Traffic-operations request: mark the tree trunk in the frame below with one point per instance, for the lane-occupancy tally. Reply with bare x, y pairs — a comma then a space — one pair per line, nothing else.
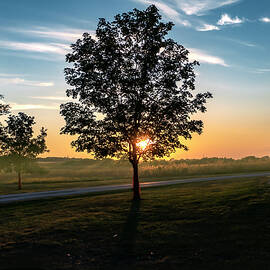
19, 180
136, 183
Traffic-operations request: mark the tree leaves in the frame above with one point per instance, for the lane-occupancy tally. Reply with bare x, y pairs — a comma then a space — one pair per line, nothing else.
138, 81
4, 108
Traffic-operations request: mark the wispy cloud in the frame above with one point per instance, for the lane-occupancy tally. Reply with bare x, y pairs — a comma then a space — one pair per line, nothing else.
9, 79
203, 57
241, 42
226, 20
33, 55
247, 44
207, 27
10, 75
168, 11
62, 34
51, 48
200, 7
22, 107
180, 11
261, 70
56, 42
264, 69
265, 19
55, 98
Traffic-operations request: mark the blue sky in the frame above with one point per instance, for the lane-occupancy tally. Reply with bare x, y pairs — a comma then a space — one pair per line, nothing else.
230, 38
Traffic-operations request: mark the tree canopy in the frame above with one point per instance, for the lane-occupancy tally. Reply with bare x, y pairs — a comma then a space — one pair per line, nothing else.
131, 84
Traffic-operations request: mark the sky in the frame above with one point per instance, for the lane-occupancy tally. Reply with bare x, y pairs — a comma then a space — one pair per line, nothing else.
230, 39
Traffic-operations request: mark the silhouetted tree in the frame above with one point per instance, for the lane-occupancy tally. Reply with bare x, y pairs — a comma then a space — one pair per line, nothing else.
131, 84
4, 108
18, 146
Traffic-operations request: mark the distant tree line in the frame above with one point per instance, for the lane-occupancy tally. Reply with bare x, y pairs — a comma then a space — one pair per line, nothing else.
65, 161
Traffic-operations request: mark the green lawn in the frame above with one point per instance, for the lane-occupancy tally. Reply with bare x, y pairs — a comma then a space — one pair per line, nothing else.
210, 225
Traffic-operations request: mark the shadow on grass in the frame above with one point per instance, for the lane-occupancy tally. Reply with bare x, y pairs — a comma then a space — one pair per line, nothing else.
126, 250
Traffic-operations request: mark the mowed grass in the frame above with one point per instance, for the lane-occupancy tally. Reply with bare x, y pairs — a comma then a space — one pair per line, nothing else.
64, 173
210, 225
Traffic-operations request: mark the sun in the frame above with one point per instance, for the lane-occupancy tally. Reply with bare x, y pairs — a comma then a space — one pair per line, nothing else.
143, 144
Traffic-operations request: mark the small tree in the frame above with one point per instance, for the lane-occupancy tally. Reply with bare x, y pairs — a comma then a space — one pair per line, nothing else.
18, 146
134, 91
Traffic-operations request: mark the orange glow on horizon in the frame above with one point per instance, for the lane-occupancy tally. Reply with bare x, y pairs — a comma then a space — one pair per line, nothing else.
225, 135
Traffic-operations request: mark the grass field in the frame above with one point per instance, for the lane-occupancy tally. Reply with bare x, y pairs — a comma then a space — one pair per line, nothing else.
210, 225
61, 173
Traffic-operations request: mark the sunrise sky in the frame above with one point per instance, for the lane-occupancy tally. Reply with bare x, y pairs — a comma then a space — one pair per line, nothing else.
230, 38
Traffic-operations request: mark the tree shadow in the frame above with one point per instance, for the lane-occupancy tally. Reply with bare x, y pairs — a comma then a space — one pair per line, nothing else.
126, 249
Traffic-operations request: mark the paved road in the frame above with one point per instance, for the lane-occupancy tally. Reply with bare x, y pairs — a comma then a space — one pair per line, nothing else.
77, 191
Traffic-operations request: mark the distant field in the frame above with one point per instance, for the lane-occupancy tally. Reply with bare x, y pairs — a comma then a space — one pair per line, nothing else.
212, 225
60, 173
